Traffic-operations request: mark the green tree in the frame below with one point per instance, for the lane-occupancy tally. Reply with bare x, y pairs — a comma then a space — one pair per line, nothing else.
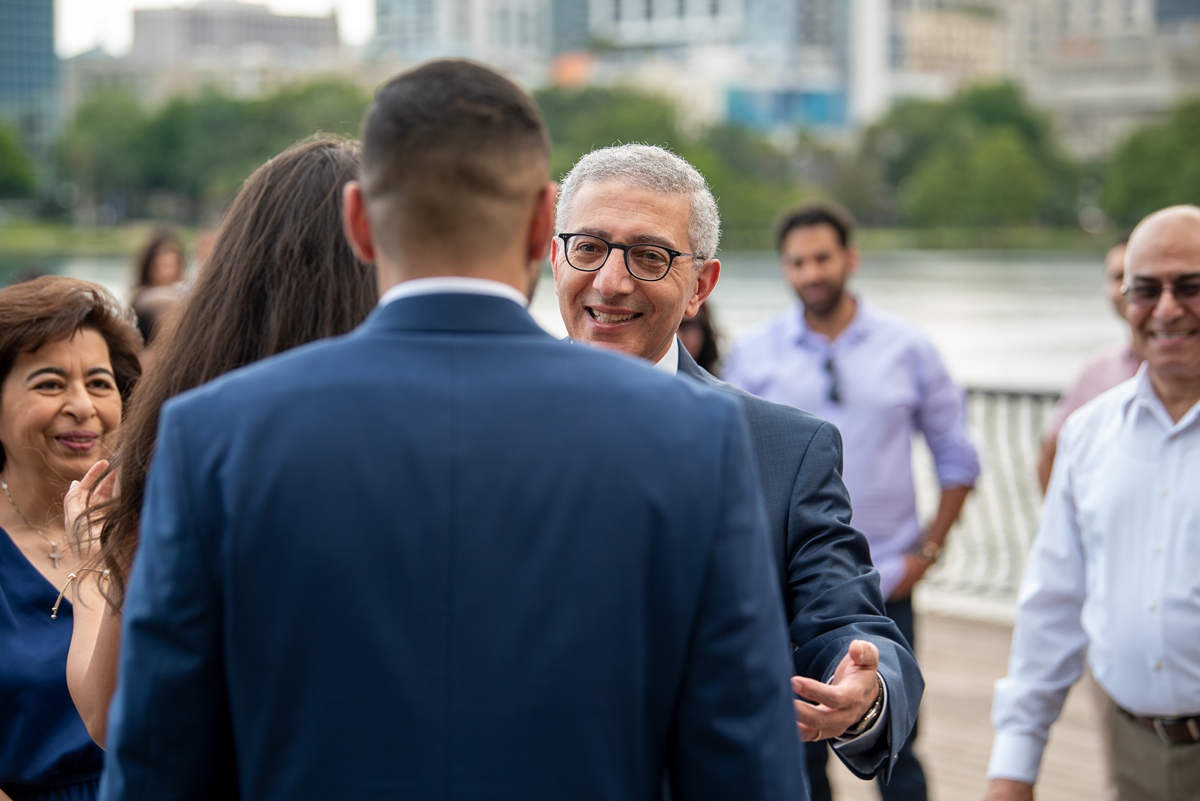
17, 176
988, 179
922, 148
103, 150
582, 120
1156, 166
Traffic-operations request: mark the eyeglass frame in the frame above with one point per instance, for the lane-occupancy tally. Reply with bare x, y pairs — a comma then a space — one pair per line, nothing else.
672, 252
1191, 280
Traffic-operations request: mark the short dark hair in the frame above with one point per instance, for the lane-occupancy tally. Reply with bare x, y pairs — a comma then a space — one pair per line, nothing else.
812, 214
448, 149
52, 309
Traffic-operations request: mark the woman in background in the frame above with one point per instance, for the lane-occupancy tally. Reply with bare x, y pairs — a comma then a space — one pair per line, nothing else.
701, 338
158, 271
280, 274
68, 362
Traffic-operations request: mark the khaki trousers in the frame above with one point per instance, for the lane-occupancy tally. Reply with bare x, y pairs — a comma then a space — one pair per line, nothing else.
1148, 769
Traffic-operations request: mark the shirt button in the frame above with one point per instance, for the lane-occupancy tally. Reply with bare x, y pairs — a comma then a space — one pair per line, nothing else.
1166, 492
1153, 607
1158, 549
1158, 665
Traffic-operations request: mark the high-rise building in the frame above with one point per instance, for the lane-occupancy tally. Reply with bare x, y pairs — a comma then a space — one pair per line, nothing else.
221, 28
513, 35
240, 49
29, 76
1102, 68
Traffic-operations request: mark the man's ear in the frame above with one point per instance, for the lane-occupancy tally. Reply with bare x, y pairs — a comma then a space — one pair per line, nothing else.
541, 226
355, 223
706, 282
852, 260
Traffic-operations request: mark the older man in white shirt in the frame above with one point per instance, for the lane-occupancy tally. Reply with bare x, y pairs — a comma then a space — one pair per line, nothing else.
1114, 574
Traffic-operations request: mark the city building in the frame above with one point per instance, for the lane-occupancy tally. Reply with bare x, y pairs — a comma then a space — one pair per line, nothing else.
512, 35
240, 49
939, 47
1102, 68
29, 77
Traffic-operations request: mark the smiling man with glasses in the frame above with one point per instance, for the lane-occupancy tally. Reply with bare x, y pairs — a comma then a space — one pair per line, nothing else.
635, 256
1111, 580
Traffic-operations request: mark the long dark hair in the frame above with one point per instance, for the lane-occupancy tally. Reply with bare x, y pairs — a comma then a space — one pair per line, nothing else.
280, 274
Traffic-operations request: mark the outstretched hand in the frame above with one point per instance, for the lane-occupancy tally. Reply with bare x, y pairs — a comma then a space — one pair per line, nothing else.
842, 702
84, 493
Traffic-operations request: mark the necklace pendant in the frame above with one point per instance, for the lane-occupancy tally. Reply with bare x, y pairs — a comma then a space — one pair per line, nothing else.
56, 555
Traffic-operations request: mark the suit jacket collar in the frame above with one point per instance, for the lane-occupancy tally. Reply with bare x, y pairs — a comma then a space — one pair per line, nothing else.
688, 366
452, 312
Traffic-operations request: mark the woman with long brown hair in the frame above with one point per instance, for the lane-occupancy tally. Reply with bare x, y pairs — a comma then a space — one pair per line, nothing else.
280, 274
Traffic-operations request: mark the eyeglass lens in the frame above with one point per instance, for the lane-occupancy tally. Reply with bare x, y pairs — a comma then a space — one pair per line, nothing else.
1147, 293
648, 262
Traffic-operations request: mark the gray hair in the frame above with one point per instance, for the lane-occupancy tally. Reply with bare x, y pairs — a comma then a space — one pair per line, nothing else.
658, 170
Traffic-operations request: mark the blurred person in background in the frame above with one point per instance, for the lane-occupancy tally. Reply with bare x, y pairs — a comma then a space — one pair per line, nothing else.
68, 362
158, 270
881, 382
1104, 370
1111, 580
280, 274
702, 338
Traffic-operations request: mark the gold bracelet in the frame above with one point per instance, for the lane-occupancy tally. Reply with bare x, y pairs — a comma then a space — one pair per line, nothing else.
71, 577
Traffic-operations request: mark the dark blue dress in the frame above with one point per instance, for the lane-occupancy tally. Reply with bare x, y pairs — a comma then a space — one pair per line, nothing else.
45, 751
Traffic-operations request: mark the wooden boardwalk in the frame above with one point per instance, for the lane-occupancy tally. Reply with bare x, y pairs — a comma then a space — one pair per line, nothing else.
961, 659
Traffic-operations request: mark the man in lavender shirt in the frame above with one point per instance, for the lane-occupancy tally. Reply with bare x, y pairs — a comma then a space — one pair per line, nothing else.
879, 380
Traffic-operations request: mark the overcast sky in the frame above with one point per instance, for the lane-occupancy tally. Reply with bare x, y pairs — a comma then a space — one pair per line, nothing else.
83, 24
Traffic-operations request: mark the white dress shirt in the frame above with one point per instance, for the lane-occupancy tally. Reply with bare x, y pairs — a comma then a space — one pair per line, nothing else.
1114, 574
455, 284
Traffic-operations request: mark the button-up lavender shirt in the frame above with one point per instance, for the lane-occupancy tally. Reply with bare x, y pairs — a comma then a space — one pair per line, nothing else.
890, 384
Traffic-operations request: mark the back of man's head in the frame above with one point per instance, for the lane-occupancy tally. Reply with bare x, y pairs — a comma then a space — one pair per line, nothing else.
453, 154
655, 169
812, 214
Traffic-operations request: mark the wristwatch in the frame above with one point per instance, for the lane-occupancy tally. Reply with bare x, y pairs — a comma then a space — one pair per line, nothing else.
928, 553
872, 714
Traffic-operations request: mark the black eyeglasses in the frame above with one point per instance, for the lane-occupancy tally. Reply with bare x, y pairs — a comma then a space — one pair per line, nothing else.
835, 386
1146, 294
644, 262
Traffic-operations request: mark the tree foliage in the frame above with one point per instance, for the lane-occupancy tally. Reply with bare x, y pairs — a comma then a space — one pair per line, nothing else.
1156, 166
749, 176
188, 157
982, 158
17, 175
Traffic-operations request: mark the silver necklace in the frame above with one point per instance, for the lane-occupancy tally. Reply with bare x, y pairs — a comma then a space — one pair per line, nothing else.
55, 553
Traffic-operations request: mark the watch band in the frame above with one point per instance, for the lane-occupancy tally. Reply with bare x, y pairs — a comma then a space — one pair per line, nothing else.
870, 717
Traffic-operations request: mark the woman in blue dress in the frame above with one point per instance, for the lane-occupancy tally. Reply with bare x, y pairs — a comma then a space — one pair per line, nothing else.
68, 360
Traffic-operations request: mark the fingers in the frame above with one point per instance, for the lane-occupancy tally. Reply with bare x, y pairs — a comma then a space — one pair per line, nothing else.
89, 478
864, 654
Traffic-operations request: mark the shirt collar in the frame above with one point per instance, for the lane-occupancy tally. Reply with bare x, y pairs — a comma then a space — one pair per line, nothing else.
1145, 397
669, 363
458, 284
858, 329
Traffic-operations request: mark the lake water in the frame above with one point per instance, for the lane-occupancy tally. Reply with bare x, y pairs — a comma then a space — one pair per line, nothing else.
1001, 320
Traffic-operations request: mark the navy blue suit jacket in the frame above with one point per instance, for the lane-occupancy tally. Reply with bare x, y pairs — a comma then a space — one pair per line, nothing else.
448, 557
830, 588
